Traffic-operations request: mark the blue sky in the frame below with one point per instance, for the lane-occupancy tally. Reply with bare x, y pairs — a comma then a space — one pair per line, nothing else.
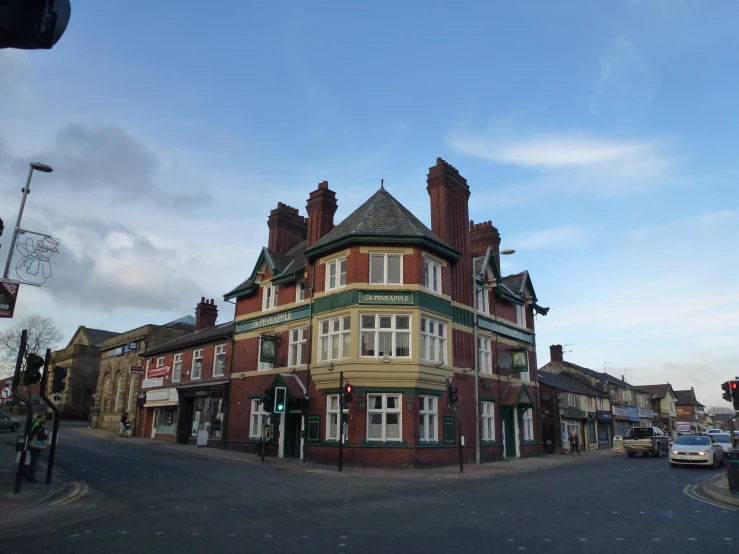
597, 136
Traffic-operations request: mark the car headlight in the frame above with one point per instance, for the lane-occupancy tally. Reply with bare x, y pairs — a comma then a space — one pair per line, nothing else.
674, 452
702, 452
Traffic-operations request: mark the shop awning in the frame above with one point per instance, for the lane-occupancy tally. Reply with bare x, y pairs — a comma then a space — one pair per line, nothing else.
160, 404
203, 384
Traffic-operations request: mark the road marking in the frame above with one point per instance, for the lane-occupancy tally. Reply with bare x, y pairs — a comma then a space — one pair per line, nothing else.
73, 536
619, 539
547, 540
688, 491
158, 533
728, 539
692, 539
268, 536
75, 490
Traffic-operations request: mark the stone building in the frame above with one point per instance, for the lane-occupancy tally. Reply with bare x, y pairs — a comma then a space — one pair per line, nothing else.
121, 367
397, 308
81, 359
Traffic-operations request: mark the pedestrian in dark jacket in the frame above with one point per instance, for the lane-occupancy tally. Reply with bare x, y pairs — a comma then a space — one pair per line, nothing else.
38, 436
574, 443
123, 429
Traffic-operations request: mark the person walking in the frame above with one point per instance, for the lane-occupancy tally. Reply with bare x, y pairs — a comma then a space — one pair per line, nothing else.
574, 443
124, 420
36, 444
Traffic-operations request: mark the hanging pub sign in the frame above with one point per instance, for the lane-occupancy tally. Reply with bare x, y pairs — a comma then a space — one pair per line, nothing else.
520, 361
135, 370
8, 294
268, 350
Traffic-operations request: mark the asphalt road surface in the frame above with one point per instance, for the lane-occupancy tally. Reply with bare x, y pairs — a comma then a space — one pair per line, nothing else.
141, 498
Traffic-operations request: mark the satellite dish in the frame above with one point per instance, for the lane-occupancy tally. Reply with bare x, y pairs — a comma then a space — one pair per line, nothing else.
505, 361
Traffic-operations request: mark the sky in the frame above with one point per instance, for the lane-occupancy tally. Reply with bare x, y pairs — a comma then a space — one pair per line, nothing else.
598, 137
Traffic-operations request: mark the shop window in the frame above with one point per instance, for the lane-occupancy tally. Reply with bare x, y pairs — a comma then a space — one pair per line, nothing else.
528, 425
177, 368
485, 353
336, 274
219, 361
197, 364
432, 276
433, 340
258, 415
166, 420
269, 297
449, 427
297, 354
384, 417
314, 428
386, 335
428, 430
386, 269
333, 338
208, 416
487, 412
332, 419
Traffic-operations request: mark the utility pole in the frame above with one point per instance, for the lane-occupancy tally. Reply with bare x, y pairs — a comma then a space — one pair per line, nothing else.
57, 411
341, 420
29, 411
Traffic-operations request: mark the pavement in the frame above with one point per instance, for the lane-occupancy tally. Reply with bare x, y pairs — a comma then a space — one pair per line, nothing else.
716, 490
137, 495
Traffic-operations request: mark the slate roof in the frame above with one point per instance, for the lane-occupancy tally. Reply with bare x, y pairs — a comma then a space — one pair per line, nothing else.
381, 216
224, 330
568, 384
99, 335
601, 375
281, 265
295, 385
687, 398
659, 391
515, 282
186, 322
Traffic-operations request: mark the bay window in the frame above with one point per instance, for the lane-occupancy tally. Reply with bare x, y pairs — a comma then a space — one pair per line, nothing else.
333, 338
336, 274
386, 269
432, 275
385, 335
433, 340
428, 430
384, 417
297, 354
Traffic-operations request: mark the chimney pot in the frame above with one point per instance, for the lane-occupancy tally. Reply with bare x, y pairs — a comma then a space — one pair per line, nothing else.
321, 208
206, 314
555, 353
286, 228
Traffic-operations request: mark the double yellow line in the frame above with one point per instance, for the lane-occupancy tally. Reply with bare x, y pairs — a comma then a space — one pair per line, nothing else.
80, 489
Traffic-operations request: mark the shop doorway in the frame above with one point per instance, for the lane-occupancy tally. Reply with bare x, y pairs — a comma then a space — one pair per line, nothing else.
293, 425
509, 432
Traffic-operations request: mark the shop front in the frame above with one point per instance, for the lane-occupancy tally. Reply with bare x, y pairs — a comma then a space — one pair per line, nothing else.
604, 429
646, 417
620, 421
592, 435
634, 419
202, 408
571, 421
160, 414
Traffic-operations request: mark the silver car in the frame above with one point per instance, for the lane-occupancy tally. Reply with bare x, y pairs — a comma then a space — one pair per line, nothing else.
7, 423
696, 450
725, 440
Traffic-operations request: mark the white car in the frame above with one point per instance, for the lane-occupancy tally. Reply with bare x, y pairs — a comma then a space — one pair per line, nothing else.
696, 450
724, 439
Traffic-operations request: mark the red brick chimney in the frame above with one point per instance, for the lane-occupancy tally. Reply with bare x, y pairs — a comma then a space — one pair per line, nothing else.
555, 353
286, 228
483, 236
450, 220
206, 314
321, 208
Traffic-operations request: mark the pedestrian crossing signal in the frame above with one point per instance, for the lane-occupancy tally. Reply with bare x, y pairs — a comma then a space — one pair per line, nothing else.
348, 396
280, 400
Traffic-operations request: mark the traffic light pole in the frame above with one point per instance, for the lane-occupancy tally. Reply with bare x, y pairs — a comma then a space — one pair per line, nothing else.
455, 409
29, 411
341, 420
57, 411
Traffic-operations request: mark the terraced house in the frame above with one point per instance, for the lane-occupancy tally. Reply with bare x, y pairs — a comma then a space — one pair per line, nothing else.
391, 304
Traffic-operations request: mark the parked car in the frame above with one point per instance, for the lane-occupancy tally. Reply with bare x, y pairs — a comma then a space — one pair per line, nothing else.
715, 431
724, 439
646, 441
7, 423
696, 450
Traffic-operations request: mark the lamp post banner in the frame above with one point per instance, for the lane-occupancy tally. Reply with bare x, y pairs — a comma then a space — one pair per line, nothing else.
34, 259
8, 294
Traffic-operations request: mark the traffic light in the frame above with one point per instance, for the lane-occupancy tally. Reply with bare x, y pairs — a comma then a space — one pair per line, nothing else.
60, 374
734, 386
2, 227
268, 400
33, 24
726, 387
348, 394
32, 375
280, 400
451, 394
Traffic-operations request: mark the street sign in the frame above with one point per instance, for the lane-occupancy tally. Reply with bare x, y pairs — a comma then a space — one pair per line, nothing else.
6, 393
8, 294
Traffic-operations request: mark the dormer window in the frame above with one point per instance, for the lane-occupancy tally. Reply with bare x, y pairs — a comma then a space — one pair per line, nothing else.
269, 300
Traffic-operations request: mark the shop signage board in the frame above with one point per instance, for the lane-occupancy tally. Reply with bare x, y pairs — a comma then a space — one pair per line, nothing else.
574, 413
520, 361
392, 298
160, 371
268, 350
151, 383
504, 330
605, 416
8, 294
136, 370
272, 320
618, 444
620, 412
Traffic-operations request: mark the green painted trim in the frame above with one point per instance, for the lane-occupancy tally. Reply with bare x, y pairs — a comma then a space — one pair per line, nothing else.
453, 440
435, 304
287, 277
273, 319
263, 255
380, 444
313, 417
336, 301
437, 444
505, 330
255, 396
463, 317
447, 251
535, 443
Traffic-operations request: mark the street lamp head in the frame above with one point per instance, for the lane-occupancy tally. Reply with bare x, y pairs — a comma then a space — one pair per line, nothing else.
38, 166
507, 252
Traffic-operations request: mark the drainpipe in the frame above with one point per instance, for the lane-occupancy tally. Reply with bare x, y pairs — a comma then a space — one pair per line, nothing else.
477, 370
497, 369
536, 380
306, 404
227, 394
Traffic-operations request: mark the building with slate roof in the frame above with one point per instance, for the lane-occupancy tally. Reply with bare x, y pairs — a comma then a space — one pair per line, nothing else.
665, 404
390, 306
630, 405
570, 407
688, 408
81, 359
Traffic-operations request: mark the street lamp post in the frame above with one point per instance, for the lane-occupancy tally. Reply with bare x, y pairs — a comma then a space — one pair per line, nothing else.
475, 289
39, 167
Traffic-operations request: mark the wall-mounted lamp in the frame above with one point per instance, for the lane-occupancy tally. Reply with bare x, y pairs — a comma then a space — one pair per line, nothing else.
331, 367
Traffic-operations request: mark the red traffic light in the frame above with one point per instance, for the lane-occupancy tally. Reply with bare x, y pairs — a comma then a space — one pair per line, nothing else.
733, 384
348, 389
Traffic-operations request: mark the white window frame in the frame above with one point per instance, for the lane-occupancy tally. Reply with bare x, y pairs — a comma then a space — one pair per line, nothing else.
385, 268
428, 431
196, 355
299, 291
483, 300
572, 400
329, 332
393, 330
262, 366
257, 416
528, 425
177, 359
521, 315
485, 353
298, 337
429, 266
487, 414
160, 361
333, 412
269, 297
219, 349
436, 338
339, 276
385, 411
626, 395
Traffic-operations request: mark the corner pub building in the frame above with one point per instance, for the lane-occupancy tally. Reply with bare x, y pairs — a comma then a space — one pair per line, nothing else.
390, 303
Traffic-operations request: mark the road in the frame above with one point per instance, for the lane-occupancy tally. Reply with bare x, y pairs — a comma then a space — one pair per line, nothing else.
143, 498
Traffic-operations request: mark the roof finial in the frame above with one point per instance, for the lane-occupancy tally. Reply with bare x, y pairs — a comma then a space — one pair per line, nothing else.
382, 184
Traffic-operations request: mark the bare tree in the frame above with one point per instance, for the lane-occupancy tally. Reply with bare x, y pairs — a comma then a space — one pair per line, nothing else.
43, 333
